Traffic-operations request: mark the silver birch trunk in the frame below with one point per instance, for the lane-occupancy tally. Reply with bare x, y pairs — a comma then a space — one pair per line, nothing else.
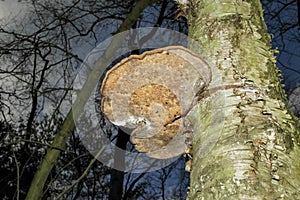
246, 143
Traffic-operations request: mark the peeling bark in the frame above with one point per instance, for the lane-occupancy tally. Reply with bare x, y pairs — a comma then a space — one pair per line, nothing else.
247, 147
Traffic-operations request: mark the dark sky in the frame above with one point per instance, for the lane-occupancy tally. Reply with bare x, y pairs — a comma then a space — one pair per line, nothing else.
281, 18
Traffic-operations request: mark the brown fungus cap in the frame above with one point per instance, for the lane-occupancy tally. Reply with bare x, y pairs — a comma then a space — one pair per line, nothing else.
149, 95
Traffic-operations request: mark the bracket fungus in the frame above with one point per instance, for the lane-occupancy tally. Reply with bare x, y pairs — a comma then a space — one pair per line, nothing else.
150, 95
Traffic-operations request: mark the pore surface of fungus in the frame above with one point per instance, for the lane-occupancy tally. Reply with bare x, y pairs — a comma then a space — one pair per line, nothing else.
149, 95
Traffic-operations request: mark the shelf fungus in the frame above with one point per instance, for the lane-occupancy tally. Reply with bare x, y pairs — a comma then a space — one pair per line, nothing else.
149, 96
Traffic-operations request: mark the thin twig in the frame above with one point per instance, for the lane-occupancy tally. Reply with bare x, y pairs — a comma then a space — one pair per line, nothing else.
18, 176
83, 174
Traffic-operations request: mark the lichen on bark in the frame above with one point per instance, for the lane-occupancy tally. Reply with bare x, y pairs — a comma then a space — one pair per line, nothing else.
255, 155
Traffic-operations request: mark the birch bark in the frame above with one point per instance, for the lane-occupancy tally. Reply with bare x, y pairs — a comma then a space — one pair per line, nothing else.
246, 147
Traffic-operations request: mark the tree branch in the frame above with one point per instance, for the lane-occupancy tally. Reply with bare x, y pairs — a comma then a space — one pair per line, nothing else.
82, 176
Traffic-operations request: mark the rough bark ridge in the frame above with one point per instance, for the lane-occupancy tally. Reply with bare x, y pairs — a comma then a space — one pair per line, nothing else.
256, 151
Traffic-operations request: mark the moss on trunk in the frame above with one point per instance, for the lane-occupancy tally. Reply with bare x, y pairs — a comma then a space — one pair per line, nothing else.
246, 144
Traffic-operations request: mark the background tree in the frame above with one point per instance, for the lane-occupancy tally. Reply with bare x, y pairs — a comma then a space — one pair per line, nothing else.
49, 38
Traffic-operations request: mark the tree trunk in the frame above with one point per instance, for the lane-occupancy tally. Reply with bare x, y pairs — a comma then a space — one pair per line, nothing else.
246, 143
117, 176
59, 142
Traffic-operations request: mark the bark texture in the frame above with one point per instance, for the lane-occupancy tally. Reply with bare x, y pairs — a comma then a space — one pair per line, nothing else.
246, 143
